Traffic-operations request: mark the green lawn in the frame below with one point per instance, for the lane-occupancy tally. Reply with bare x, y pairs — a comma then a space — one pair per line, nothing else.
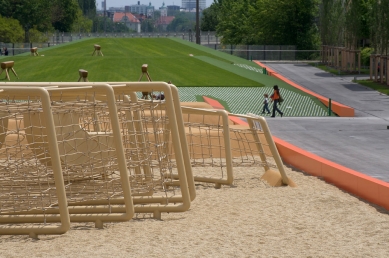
336, 71
168, 60
197, 70
375, 86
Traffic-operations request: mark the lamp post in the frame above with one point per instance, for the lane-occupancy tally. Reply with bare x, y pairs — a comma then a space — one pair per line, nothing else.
198, 22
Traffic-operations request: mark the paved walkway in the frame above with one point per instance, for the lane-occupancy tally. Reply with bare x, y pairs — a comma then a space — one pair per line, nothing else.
360, 143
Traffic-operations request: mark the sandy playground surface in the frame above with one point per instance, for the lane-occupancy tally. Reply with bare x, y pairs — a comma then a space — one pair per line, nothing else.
248, 219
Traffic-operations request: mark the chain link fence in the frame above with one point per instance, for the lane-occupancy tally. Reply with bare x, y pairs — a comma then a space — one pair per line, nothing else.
208, 39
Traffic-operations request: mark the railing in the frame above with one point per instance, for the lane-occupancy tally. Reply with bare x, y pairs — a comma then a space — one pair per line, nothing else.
205, 37
208, 39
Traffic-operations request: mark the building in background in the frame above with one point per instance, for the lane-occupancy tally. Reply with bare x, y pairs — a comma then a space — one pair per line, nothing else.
116, 9
190, 5
163, 10
147, 10
162, 22
128, 19
172, 10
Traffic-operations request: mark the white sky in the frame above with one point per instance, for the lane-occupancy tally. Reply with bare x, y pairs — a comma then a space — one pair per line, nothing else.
155, 3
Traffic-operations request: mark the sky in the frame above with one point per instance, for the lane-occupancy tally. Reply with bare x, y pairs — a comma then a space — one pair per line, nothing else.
155, 3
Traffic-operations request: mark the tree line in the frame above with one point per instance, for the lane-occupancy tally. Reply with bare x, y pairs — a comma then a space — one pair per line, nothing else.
28, 21
304, 23
22, 20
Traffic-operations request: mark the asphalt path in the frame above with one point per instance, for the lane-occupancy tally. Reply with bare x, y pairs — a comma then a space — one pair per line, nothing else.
360, 143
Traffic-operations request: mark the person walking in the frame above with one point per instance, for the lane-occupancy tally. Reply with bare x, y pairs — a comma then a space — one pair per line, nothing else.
276, 100
266, 104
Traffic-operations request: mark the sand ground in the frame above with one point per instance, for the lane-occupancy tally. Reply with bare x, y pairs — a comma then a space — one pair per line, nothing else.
248, 219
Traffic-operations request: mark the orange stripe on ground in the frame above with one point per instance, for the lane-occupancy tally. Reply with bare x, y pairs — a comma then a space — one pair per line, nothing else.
214, 103
337, 108
366, 187
237, 121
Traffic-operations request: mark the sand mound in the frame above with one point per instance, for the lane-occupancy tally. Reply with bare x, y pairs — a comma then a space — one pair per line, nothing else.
248, 219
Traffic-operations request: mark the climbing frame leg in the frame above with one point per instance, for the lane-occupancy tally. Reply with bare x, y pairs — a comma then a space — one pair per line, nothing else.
13, 70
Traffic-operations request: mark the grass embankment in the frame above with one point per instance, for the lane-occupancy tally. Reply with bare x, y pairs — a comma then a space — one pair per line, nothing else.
167, 60
375, 86
338, 72
184, 63
368, 83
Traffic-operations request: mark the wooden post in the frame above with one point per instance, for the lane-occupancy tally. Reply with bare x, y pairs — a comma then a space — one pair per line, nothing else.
387, 70
376, 67
371, 67
381, 66
333, 57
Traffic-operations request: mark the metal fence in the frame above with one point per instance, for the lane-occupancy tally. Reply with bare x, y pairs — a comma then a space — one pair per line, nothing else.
269, 52
60, 38
205, 37
208, 39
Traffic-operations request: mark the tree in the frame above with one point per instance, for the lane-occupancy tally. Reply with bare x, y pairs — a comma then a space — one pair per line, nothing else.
235, 22
10, 30
35, 35
102, 24
88, 8
380, 26
44, 15
209, 19
182, 22
29, 13
82, 23
147, 25
357, 19
290, 22
64, 13
332, 22
121, 27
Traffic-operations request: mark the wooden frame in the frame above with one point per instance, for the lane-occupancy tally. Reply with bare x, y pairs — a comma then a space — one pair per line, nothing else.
151, 204
85, 211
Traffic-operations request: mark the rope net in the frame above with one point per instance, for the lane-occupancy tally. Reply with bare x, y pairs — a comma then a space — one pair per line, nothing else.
85, 144
26, 179
207, 144
250, 147
147, 143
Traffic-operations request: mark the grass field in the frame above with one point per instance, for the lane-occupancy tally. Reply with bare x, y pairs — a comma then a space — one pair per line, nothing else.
375, 86
195, 69
167, 60
338, 72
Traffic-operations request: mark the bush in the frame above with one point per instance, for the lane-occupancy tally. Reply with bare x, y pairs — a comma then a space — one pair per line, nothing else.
37, 36
10, 30
365, 56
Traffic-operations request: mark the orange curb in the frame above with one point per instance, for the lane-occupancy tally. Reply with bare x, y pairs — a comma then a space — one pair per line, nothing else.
338, 108
354, 182
237, 121
214, 103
